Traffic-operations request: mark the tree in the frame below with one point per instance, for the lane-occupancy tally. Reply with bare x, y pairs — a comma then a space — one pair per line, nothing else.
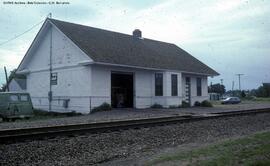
264, 90
243, 94
3, 87
253, 92
217, 88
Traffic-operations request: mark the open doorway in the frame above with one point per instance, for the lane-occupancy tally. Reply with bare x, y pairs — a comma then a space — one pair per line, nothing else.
122, 90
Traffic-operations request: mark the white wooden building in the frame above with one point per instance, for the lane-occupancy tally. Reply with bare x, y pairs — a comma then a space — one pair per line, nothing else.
71, 67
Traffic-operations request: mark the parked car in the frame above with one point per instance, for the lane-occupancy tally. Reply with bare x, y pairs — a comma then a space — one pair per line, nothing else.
15, 105
231, 100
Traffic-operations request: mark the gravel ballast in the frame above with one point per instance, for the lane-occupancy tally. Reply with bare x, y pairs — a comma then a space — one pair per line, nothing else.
104, 147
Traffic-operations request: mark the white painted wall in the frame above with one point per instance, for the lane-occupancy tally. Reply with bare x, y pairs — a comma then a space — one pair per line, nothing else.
65, 53
143, 88
167, 99
74, 81
101, 85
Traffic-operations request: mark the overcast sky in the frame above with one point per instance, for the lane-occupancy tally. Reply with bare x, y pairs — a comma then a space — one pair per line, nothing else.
231, 36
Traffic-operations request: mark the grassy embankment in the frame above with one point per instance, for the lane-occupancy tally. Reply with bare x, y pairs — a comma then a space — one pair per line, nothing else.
264, 99
252, 150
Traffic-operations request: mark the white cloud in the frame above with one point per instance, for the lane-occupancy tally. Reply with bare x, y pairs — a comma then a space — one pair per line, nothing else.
228, 5
10, 59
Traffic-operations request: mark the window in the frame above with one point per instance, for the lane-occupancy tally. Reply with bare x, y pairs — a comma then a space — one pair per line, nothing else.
199, 87
14, 98
159, 84
174, 85
24, 98
54, 78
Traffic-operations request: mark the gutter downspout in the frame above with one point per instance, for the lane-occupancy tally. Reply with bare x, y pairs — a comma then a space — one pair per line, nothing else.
50, 91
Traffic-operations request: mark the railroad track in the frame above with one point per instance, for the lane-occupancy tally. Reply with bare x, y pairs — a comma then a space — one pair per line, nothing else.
17, 135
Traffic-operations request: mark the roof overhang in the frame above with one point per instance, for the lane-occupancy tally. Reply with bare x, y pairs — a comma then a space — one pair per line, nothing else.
147, 68
85, 63
23, 72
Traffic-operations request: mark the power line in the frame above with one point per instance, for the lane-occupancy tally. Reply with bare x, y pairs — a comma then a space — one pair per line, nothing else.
17, 36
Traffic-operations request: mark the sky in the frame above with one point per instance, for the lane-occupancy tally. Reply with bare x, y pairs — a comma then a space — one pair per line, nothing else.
230, 36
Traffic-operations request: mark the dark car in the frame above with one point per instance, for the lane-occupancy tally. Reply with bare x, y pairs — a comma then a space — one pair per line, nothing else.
15, 105
231, 100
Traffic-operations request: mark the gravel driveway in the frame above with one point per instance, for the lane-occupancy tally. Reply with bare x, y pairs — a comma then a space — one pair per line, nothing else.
105, 148
124, 114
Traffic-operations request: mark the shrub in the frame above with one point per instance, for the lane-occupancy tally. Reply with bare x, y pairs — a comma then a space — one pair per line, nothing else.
206, 103
197, 104
103, 107
173, 106
72, 113
243, 94
185, 104
156, 106
39, 112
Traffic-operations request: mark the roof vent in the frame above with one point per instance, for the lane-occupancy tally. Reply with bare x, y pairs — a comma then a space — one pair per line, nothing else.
137, 33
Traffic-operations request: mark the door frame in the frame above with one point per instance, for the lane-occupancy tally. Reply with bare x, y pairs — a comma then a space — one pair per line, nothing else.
133, 82
189, 89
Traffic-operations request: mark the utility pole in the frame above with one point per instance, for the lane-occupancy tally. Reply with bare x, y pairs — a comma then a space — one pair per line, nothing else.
221, 81
50, 15
232, 88
239, 79
6, 78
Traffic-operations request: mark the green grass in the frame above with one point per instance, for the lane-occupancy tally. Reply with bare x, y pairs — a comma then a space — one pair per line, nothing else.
215, 102
253, 151
266, 99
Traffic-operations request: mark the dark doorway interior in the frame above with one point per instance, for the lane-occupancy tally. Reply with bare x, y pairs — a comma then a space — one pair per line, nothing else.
122, 90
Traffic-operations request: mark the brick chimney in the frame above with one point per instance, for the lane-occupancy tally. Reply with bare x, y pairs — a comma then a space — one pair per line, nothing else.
137, 33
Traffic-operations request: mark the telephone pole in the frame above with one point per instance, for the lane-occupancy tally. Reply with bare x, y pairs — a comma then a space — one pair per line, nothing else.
239, 79
232, 88
7, 88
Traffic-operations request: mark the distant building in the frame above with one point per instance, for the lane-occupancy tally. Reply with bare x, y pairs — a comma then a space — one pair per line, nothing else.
86, 67
214, 96
17, 84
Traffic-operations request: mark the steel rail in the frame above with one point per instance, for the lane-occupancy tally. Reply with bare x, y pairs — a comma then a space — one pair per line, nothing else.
16, 135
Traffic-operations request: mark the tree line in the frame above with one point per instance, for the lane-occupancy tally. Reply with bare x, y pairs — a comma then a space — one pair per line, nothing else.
261, 91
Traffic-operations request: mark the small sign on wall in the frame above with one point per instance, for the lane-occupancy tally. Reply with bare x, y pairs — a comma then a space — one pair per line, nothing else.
54, 79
